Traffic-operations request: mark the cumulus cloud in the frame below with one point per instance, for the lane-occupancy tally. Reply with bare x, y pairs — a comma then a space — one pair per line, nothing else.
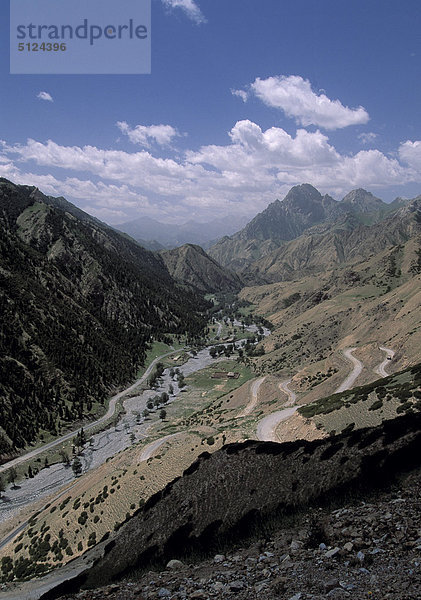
367, 138
410, 153
294, 96
142, 134
45, 96
241, 94
189, 7
253, 168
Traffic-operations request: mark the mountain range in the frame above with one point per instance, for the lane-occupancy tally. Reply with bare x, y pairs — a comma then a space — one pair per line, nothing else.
303, 209
80, 304
155, 235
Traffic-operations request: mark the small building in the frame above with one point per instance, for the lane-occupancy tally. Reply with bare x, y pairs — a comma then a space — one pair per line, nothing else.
225, 375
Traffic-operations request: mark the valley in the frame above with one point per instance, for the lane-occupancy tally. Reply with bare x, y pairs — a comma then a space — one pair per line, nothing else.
309, 342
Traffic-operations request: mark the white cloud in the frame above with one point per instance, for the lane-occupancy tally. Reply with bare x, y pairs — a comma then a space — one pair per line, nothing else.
241, 94
45, 96
253, 168
410, 153
367, 138
142, 134
189, 7
295, 97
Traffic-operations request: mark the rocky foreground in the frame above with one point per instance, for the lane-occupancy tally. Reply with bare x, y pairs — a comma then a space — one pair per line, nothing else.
370, 548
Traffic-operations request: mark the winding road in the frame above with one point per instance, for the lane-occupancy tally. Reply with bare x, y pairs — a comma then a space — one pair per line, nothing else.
105, 443
266, 428
254, 398
358, 367
151, 448
292, 396
381, 368
110, 412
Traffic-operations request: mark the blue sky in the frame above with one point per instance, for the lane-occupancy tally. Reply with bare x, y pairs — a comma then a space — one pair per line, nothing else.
245, 100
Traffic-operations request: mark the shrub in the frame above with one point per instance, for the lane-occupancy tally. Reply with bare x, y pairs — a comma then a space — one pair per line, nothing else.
83, 518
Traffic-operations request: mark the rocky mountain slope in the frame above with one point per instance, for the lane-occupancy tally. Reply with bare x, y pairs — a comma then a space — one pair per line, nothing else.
303, 209
345, 242
79, 305
342, 288
190, 264
367, 546
224, 496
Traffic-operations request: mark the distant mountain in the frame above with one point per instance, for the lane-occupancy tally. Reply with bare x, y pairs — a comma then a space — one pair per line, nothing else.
149, 231
317, 251
79, 303
362, 201
338, 288
151, 245
190, 264
303, 209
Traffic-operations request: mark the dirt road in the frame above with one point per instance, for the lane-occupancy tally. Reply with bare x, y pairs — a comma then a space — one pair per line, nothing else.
110, 412
151, 448
381, 368
254, 398
358, 367
292, 396
266, 428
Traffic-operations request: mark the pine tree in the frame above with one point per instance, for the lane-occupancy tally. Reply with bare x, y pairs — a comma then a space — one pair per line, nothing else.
12, 476
77, 466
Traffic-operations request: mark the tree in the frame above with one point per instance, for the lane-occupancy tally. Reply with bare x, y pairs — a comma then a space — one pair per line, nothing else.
2, 487
150, 405
77, 466
30, 473
65, 458
145, 413
164, 398
171, 389
132, 438
162, 413
12, 476
213, 352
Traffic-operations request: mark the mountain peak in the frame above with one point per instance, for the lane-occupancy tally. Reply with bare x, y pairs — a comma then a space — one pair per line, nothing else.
362, 200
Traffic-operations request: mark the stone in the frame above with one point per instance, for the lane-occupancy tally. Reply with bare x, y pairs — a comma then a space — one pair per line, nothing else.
164, 593
199, 595
218, 558
296, 545
236, 586
174, 565
348, 547
331, 584
333, 552
218, 586
338, 594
